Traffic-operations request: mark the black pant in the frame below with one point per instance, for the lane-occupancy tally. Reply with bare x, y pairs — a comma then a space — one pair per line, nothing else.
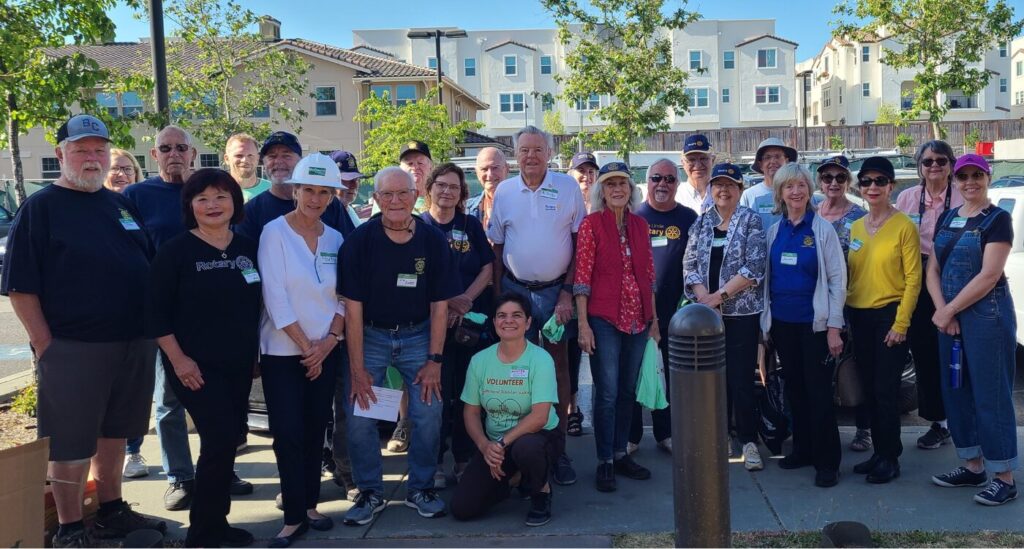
217, 409
298, 410
880, 368
741, 336
532, 455
661, 420
453, 378
923, 337
808, 388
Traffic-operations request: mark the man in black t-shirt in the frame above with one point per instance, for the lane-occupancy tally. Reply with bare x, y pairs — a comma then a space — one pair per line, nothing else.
76, 267
395, 275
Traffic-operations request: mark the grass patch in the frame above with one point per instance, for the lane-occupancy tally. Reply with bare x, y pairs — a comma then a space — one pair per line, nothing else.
914, 538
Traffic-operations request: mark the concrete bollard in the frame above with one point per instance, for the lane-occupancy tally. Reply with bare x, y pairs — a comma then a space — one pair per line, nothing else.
700, 473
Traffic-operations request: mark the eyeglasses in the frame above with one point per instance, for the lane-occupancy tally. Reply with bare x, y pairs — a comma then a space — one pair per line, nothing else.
125, 170
445, 187
977, 176
940, 162
658, 178
698, 159
180, 147
839, 178
880, 181
388, 196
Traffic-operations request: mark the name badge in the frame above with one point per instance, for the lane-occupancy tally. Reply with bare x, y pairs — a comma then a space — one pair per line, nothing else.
659, 241
129, 224
550, 208
406, 280
251, 276
521, 373
718, 242
765, 208
958, 222
788, 258
549, 193
458, 235
329, 258
848, 224
916, 218
855, 244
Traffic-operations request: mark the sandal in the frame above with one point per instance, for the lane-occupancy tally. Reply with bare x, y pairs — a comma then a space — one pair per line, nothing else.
861, 441
575, 424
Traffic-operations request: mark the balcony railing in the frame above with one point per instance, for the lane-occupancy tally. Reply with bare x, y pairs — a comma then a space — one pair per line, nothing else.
962, 101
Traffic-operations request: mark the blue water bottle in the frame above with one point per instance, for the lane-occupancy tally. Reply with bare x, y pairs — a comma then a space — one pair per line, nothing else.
956, 372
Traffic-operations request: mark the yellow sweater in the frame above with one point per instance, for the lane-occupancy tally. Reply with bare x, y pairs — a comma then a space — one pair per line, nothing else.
885, 268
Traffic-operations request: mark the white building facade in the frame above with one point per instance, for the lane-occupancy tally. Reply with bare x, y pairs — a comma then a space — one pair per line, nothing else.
1016, 78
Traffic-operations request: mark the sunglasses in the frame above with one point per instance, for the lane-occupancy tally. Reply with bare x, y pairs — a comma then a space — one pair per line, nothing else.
840, 178
181, 147
977, 176
880, 181
940, 162
667, 178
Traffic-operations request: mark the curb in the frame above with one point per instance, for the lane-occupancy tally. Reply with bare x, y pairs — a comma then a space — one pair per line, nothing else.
10, 385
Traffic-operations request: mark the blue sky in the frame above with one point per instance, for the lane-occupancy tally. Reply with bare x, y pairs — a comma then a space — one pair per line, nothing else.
805, 22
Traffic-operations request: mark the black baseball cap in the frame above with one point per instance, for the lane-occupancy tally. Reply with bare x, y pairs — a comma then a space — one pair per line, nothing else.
415, 146
582, 158
81, 126
281, 138
879, 164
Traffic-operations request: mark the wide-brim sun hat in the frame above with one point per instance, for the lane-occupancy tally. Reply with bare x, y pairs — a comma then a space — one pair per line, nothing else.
316, 169
768, 143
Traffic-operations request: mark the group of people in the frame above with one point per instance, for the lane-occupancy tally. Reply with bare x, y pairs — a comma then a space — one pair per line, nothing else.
195, 282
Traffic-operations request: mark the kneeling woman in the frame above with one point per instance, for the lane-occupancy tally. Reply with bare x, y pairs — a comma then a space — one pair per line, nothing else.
514, 382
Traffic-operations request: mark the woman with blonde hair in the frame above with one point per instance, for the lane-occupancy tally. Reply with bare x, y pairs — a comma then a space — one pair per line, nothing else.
124, 170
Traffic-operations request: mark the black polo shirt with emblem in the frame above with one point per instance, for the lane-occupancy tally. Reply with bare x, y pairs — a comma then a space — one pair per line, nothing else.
669, 233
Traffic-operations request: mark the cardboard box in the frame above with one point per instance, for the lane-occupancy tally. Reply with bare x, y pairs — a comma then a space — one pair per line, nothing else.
22, 479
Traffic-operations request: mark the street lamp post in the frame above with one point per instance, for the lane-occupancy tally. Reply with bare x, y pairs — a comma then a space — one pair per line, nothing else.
804, 110
436, 35
156, 31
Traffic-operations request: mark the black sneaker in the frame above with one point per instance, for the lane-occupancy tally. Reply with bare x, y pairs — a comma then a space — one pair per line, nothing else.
997, 493
240, 487
935, 437
179, 495
961, 476
540, 509
793, 461
235, 537
826, 478
122, 521
628, 468
77, 538
564, 474
605, 477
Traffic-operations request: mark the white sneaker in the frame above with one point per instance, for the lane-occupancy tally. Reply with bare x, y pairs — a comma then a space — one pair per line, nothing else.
630, 448
400, 438
135, 466
666, 444
751, 457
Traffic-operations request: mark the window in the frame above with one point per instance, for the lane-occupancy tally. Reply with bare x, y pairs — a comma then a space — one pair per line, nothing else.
725, 95
208, 160
261, 112
547, 102
766, 58
545, 64
826, 64
1020, 98
141, 159
1003, 49
865, 53
807, 84
51, 167
405, 93
511, 65
698, 97
512, 102
957, 100
840, 90
469, 66
432, 63
1002, 85
826, 97
729, 60
326, 101
1020, 68
1006, 204
384, 92
695, 58
591, 103
866, 89
108, 101
131, 104
766, 94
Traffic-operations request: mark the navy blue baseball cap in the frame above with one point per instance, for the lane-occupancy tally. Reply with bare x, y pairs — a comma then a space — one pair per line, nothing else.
415, 146
614, 169
347, 165
81, 126
582, 158
838, 161
729, 171
282, 138
696, 143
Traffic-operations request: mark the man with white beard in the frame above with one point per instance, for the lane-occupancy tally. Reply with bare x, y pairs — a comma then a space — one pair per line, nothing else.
76, 269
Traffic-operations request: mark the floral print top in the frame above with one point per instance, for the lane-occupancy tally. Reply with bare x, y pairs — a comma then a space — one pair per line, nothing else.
746, 254
843, 224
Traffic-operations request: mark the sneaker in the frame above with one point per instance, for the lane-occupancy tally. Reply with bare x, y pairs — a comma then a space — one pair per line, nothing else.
793, 461
666, 444
426, 503
935, 437
751, 457
826, 478
961, 476
605, 477
367, 505
997, 493
279, 502
235, 537
400, 438
240, 487
344, 481
540, 509
122, 520
179, 495
861, 441
631, 448
728, 445
440, 479
628, 468
564, 474
78, 538
135, 466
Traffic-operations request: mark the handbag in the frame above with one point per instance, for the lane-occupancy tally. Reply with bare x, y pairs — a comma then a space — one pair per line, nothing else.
468, 333
650, 387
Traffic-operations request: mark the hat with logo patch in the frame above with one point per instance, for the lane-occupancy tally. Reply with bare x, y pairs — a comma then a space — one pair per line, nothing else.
316, 169
582, 158
838, 161
415, 146
727, 171
614, 169
696, 143
81, 126
346, 163
281, 138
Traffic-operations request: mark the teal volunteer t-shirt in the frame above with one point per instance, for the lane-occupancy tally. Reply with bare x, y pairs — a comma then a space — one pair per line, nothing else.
507, 392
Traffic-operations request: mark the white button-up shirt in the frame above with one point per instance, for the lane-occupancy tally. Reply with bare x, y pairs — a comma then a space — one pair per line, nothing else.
688, 196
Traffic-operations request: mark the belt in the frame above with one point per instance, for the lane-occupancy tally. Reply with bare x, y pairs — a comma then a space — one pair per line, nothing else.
394, 327
533, 286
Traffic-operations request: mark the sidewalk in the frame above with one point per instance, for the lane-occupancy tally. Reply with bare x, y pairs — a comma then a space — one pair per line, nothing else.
769, 500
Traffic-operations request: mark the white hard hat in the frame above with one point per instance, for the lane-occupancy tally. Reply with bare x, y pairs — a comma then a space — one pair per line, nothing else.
316, 169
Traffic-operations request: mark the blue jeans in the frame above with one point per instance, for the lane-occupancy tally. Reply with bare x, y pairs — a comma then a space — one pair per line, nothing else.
406, 350
171, 428
980, 413
543, 303
615, 367
133, 445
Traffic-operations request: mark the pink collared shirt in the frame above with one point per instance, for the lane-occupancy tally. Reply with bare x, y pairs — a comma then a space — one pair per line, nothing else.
909, 202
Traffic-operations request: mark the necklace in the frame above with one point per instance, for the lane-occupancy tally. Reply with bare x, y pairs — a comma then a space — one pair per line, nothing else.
964, 212
873, 226
407, 228
221, 244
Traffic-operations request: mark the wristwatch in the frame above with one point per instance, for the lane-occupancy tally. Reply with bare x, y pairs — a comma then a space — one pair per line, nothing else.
339, 337
435, 358
724, 294
501, 441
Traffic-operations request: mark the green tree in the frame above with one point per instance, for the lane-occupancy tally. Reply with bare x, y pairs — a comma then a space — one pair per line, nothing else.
835, 142
887, 114
40, 86
622, 49
553, 123
942, 40
390, 126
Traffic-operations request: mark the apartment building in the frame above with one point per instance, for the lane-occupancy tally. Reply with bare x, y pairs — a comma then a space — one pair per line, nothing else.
846, 83
741, 73
1016, 77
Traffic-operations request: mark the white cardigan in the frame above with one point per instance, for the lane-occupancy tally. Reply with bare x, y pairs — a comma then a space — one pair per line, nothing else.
298, 286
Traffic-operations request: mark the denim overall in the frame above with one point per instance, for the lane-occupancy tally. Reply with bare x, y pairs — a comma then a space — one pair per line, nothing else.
981, 415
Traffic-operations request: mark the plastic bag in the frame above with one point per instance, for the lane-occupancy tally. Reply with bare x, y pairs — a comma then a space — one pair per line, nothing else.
650, 387
552, 330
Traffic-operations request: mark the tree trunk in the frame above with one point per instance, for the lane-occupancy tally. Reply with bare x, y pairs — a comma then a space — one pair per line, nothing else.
15, 147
